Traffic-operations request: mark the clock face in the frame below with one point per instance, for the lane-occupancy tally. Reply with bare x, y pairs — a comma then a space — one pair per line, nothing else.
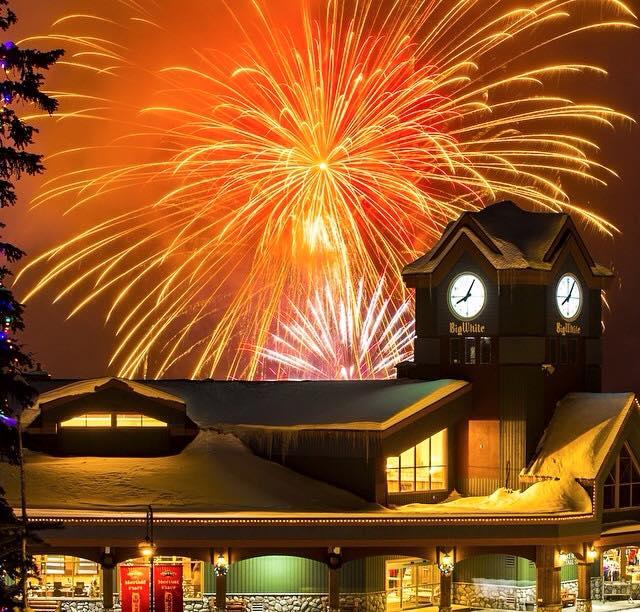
569, 297
467, 296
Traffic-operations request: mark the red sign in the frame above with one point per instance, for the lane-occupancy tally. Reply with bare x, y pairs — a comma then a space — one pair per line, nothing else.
167, 588
134, 588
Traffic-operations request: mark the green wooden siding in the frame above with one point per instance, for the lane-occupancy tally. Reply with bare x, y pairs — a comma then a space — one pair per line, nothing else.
277, 574
495, 569
282, 574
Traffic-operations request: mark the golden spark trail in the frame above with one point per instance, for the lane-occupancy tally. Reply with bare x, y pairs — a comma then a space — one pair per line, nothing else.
255, 191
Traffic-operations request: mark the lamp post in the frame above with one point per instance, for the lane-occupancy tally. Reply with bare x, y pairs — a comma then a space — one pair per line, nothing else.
147, 549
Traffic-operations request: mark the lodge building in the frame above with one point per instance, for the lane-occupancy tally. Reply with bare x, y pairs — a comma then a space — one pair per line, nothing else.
491, 473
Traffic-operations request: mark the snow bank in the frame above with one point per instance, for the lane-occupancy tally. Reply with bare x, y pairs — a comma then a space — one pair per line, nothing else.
215, 473
544, 497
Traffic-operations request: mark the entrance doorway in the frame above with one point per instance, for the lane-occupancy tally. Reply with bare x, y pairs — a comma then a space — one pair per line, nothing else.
411, 583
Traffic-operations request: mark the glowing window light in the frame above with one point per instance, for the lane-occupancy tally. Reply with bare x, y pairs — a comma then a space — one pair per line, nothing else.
420, 468
138, 420
88, 420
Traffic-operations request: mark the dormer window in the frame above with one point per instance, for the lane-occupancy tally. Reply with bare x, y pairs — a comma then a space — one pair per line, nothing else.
137, 420
111, 420
88, 420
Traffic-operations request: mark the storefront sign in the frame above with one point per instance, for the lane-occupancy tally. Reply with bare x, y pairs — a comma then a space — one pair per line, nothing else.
134, 588
464, 328
567, 329
167, 588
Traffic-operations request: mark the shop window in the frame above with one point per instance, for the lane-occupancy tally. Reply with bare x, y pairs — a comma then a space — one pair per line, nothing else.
470, 351
64, 576
455, 351
137, 420
420, 468
485, 350
552, 345
622, 486
88, 420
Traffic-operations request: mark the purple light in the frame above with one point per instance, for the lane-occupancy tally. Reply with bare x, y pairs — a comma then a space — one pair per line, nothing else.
8, 421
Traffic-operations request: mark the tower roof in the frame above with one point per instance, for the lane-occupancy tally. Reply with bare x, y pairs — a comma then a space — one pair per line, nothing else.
510, 238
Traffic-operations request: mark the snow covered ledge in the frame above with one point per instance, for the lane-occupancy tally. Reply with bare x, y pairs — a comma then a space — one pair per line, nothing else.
546, 497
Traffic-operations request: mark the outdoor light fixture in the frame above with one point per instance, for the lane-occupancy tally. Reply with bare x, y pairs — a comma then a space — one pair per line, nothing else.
147, 548
592, 554
446, 564
335, 557
221, 566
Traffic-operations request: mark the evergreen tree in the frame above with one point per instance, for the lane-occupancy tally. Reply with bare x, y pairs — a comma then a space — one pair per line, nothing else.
20, 89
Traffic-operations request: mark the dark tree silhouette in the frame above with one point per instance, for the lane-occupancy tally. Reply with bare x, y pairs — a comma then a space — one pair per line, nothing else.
22, 70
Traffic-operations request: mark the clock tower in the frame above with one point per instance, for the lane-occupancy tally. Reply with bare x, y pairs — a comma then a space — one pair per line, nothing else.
511, 301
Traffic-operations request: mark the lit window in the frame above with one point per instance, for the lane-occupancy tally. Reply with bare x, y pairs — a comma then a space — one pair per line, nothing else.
622, 486
138, 420
420, 468
88, 420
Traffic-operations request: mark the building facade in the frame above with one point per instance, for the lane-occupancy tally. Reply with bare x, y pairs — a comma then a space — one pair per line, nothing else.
492, 473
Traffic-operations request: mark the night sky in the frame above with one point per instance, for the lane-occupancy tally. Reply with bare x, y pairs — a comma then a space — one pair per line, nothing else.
81, 346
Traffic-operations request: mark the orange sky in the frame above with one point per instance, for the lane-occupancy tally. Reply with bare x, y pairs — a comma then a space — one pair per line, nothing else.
80, 347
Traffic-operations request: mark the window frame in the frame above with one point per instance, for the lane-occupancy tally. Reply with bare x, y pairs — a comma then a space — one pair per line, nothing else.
398, 469
616, 484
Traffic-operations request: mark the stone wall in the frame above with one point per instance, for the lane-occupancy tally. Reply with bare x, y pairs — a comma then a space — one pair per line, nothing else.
489, 595
500, 596
272, 602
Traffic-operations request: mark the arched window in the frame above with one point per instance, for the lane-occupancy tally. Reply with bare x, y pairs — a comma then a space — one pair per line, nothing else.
622, 486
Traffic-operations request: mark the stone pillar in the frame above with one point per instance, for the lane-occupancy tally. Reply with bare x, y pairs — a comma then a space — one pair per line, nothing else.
622, 555
446, 583
548, 580
334, 588
221, 591
583, 599
107, 587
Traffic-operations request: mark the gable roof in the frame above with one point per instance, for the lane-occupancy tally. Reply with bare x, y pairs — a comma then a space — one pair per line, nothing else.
72, 390
510, 238
583, 430
370, 404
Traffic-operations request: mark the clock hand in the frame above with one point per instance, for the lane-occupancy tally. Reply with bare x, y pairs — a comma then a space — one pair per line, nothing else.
570, 292
466, 297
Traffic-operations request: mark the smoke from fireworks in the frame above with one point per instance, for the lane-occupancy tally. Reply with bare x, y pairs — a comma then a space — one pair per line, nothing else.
314, 157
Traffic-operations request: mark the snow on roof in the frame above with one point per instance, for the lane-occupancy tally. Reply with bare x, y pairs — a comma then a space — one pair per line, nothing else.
215, 473
367, 404
91, 385
545, 497
517, 238
52, 390
579, 436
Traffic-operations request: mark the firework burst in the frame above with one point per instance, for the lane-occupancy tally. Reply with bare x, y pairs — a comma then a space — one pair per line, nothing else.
314, 157
331, 337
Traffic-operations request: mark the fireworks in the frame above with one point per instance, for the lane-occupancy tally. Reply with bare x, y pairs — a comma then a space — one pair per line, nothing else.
354, 338
314, 157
